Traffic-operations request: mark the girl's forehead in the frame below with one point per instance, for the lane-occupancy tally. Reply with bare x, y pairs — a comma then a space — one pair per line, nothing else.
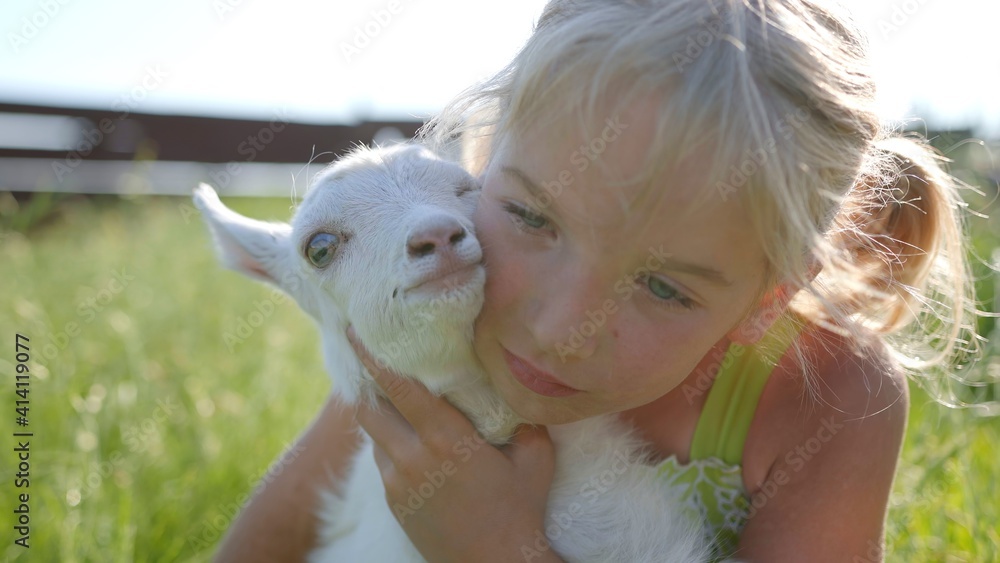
608, 169
615, 136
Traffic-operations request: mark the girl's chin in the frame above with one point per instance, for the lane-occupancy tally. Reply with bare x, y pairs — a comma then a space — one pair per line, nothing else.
537, 409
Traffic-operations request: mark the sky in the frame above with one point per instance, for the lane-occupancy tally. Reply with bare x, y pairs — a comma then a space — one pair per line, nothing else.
338, 61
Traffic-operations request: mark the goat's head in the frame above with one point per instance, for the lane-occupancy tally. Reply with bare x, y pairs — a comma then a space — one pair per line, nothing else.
383, 240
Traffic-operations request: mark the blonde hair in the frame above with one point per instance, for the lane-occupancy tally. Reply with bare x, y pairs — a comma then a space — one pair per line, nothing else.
779, 94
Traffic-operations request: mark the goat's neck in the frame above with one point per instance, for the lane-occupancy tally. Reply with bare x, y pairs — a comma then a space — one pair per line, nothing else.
491, 416
452, 371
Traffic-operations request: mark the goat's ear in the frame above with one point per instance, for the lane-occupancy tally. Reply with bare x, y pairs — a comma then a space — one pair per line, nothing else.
258, 249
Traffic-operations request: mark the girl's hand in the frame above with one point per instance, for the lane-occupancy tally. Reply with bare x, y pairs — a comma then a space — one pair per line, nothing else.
457, 497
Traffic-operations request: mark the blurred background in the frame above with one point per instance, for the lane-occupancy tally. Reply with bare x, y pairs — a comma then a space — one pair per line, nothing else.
154, 415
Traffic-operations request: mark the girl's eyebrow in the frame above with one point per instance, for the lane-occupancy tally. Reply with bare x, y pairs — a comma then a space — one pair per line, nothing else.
710, 275
529, 185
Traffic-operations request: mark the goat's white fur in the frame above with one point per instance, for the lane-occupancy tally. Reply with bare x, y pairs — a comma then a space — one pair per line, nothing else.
606, 503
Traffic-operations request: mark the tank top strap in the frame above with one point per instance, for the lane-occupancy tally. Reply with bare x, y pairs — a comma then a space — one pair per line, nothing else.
725, 420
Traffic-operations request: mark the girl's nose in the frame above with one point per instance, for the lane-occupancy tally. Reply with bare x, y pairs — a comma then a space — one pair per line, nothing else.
570, 321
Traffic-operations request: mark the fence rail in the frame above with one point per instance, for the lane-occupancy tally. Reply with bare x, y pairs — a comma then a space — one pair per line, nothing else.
107, 151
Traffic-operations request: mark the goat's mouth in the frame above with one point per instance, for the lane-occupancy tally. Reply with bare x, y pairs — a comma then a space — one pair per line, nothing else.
447, 281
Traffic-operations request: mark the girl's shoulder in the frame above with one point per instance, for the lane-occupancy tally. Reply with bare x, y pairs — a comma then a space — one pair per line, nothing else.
851, 395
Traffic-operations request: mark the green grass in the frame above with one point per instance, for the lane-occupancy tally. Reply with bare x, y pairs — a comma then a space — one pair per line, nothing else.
149, 431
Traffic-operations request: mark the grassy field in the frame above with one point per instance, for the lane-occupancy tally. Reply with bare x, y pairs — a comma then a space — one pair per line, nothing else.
151, 426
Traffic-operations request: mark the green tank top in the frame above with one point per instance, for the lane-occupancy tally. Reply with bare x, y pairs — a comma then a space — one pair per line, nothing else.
712, 481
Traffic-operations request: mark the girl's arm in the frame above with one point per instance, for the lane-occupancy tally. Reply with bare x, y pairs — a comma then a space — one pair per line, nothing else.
457, 497
279, 522
826, 495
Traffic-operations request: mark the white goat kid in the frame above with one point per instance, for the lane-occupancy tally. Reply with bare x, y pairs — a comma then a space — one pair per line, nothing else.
384, 241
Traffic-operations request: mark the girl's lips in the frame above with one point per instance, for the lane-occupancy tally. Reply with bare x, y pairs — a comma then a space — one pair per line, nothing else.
534, 379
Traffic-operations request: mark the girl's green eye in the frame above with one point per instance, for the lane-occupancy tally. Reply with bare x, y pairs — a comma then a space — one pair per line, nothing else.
526, 216
321, 249
666, 292
532, 220
660, 289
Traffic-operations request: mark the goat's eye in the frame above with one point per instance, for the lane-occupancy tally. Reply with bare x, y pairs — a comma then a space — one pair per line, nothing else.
466, 187
321, 248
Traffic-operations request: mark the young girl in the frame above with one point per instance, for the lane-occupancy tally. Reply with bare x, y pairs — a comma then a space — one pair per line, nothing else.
690, 216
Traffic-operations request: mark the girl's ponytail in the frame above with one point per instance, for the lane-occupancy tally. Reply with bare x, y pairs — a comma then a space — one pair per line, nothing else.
902, 229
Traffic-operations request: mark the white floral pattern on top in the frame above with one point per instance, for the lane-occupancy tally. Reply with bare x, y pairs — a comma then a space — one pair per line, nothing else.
711, 491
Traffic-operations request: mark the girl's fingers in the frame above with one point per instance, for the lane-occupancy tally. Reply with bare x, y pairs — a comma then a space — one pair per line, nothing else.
382, 460
531, 446
386, 426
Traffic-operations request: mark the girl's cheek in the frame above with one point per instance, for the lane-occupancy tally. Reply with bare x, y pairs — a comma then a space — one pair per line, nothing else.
506, 274
502, 267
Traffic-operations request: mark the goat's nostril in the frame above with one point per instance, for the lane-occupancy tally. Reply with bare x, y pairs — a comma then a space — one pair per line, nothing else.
427, 241
420, 250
